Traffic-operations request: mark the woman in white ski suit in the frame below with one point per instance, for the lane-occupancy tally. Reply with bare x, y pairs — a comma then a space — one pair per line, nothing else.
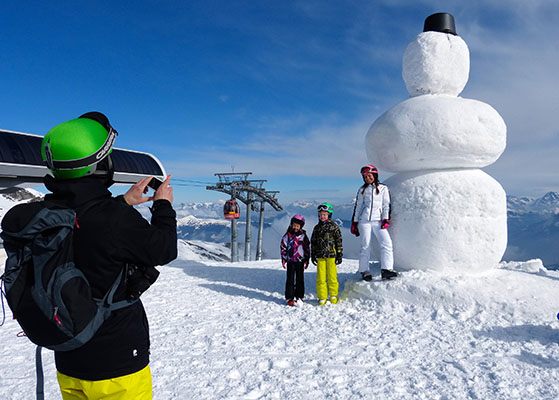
372, 215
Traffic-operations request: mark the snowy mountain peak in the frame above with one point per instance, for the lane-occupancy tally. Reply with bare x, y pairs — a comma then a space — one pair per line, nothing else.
550, 201
197, 250
22, 195
8, 200
304, 204
201, 205
195, 221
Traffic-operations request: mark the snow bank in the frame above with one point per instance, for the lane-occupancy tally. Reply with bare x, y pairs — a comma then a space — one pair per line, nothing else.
479, 297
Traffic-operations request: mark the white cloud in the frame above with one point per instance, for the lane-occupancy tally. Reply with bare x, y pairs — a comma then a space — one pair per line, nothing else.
323, 150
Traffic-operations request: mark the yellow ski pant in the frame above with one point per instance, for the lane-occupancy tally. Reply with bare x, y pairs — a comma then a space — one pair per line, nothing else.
326, 269
135, 386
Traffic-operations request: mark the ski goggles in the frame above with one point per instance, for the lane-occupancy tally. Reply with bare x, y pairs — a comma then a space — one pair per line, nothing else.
369, 169
323, 207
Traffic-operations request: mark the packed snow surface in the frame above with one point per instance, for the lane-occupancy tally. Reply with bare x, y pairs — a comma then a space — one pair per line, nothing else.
436, 63
223, 331
436, 132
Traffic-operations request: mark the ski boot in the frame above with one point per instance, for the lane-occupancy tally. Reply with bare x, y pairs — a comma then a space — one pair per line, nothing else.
366, 276
290, 302
322, 302
333, 300
388, 274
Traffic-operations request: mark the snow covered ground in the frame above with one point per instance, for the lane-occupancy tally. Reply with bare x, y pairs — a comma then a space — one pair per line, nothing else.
222, 331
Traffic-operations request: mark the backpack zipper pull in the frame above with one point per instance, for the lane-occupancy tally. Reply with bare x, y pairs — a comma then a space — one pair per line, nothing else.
55, 316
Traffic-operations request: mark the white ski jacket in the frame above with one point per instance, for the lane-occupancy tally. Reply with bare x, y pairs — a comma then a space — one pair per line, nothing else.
371, 206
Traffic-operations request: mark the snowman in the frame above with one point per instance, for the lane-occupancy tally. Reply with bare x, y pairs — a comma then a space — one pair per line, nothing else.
447, 214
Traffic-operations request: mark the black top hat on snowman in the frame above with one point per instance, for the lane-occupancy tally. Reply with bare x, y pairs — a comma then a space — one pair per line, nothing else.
440, 22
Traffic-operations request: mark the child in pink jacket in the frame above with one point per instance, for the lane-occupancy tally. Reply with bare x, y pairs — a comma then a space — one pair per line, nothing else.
295, 254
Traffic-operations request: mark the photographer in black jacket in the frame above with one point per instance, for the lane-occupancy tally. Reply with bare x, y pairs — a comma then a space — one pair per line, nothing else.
110, 237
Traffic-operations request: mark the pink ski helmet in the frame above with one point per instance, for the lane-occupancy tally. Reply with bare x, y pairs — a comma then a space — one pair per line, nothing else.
369, 169
298, 219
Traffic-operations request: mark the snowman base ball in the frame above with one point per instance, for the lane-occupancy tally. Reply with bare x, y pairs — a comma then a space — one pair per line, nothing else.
447, 220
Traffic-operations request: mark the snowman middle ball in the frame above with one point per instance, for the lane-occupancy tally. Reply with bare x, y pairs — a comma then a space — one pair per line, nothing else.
436, 132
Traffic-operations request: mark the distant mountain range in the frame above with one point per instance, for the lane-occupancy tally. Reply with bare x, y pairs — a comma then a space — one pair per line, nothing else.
533, 228
533, 224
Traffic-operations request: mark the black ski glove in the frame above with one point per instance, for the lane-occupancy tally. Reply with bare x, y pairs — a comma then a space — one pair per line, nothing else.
339, 258
355, 229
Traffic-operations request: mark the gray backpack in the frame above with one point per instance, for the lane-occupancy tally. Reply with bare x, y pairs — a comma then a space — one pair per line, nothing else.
48, 295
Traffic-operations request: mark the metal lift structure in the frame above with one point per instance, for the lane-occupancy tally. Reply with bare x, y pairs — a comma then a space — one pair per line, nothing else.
254, 196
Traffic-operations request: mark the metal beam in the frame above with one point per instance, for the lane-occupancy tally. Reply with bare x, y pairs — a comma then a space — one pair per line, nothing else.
247, 231
260, 231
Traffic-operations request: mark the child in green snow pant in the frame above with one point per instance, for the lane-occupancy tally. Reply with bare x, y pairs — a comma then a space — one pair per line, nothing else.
326, 269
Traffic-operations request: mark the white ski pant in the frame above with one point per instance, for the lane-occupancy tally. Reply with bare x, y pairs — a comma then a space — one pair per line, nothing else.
385, 243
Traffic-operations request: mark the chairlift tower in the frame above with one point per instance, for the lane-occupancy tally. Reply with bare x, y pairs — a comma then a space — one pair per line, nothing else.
250, 192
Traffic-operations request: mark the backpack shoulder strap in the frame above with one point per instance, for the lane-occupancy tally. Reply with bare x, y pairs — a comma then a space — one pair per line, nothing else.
44, 219
40, 386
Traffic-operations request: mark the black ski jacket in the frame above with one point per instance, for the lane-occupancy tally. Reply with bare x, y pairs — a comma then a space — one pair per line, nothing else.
111, 234
326, 240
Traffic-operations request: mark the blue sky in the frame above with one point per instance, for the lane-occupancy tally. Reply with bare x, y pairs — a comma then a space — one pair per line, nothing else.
286, 90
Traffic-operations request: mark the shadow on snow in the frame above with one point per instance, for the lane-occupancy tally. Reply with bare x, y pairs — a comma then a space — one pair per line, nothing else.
257, 283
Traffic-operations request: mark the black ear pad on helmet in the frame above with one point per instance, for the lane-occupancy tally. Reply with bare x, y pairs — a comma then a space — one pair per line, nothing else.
104, 168
98, 117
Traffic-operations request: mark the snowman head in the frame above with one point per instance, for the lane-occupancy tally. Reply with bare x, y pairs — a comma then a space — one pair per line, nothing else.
437, 61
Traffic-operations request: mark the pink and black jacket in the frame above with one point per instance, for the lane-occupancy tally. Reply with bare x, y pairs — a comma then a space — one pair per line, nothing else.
295, 247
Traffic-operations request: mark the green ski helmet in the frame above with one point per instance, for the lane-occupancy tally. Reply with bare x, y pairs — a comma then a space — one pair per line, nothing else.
326, 207
74, 148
